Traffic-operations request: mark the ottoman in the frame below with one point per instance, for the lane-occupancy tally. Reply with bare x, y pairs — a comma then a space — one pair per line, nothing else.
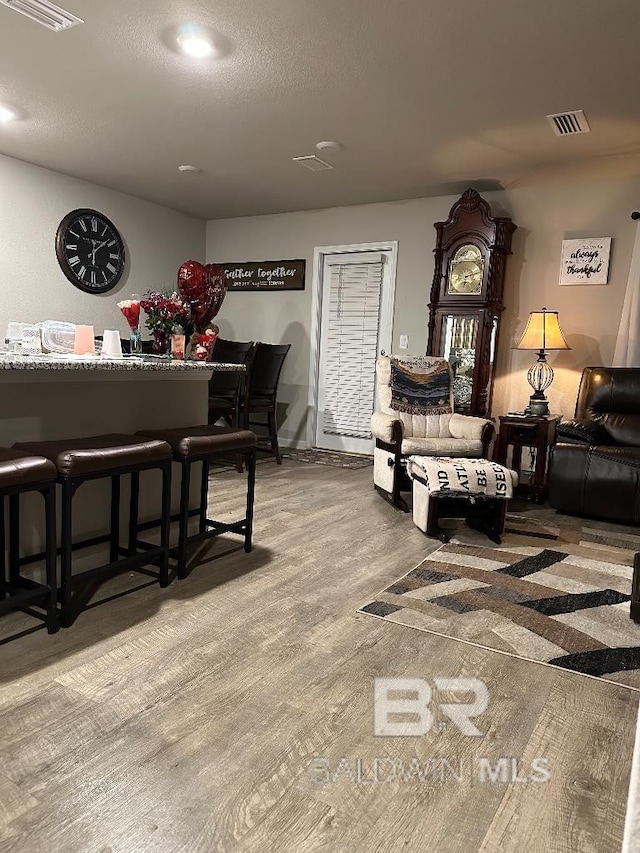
476, 490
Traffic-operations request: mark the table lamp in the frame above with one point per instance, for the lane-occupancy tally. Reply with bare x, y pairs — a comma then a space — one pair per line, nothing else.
542, 333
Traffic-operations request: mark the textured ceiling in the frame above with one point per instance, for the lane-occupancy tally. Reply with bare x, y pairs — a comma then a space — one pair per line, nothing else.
425, 96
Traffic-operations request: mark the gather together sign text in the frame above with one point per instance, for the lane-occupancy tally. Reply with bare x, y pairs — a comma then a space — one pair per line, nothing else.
265, 275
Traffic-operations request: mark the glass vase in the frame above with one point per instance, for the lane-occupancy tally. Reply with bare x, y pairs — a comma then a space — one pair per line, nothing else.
135, 342
161, 342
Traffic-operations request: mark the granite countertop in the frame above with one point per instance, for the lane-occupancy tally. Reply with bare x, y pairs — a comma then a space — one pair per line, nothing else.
132, 364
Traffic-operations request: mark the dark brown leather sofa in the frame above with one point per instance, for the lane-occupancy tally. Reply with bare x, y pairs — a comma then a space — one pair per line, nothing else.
595, 464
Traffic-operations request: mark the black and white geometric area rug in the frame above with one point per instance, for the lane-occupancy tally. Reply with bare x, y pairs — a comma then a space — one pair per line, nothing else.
558, 595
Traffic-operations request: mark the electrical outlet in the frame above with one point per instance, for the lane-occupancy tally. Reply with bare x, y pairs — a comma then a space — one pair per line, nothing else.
404, 341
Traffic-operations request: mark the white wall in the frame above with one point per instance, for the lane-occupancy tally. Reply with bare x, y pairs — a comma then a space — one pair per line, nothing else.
589, 315
33, 201
286, 316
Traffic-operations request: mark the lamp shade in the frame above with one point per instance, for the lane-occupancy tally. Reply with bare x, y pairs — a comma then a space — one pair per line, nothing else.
543, 332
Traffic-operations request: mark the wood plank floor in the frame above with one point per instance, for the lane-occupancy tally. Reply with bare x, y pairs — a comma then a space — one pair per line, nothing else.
214, 715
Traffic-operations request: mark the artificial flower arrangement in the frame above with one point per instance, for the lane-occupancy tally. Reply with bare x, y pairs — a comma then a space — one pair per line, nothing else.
131, 310
164, 312
201, 290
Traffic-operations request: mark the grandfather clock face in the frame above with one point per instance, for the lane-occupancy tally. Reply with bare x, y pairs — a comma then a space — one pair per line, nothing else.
466, 271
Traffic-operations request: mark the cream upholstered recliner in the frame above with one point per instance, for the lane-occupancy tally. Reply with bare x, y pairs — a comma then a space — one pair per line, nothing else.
399, 434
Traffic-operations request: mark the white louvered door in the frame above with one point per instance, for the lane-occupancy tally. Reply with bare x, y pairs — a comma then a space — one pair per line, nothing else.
353, 306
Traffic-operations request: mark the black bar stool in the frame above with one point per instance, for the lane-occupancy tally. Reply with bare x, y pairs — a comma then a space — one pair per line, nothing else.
78, 460
21, 473
204, 444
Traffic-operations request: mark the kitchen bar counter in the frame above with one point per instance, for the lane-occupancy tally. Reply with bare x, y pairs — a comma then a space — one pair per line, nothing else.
46, 398
126, 364
31, 369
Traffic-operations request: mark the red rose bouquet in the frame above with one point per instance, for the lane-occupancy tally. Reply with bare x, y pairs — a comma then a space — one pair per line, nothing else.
164, 312
131, 310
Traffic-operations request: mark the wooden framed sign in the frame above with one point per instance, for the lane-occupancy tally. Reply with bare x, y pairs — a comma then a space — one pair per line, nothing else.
265, 275
585, 261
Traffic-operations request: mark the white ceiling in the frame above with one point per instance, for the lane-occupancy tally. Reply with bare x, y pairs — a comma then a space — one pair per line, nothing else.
426, 97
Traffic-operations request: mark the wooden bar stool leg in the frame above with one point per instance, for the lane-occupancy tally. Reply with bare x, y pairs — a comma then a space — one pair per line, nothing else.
3, 556
14, 540
133, 512
114, 544
184, 519
66, 533
49, 495
204, 495
251, 489
165, 528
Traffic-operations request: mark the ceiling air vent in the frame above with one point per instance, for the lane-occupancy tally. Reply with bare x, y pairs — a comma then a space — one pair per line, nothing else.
45, 13
565, 124
313, 163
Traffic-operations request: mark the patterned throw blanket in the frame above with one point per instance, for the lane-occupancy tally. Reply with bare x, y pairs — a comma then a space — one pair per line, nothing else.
421, 386
463, 476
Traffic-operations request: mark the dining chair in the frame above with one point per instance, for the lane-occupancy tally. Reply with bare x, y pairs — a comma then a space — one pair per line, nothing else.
261, 394
226, 388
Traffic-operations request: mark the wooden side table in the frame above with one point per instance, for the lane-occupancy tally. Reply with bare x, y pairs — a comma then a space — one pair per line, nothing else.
527, 431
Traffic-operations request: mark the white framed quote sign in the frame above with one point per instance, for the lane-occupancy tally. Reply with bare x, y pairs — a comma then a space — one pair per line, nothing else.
585, 261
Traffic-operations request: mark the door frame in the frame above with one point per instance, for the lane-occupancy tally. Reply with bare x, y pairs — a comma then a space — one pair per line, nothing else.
385, 338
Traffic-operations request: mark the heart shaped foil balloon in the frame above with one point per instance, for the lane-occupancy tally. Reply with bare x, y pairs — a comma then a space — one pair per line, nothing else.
204, 288
216, 288
191, 281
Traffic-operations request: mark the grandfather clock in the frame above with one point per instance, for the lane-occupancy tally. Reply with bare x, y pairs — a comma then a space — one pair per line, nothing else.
466, 298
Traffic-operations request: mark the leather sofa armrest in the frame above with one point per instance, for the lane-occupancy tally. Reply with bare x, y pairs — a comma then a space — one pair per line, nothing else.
581, 432
382, 427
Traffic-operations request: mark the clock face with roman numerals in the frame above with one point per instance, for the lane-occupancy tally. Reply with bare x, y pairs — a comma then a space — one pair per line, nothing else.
90, 251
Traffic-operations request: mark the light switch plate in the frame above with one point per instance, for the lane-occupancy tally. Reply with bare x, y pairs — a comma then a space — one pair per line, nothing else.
404, 341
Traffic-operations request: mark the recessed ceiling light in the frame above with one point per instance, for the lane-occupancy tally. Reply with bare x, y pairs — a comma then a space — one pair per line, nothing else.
189, 170
194, 44
7, 114
328, 145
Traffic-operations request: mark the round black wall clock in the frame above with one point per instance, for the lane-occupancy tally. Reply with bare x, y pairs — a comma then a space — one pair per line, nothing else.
90, 250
